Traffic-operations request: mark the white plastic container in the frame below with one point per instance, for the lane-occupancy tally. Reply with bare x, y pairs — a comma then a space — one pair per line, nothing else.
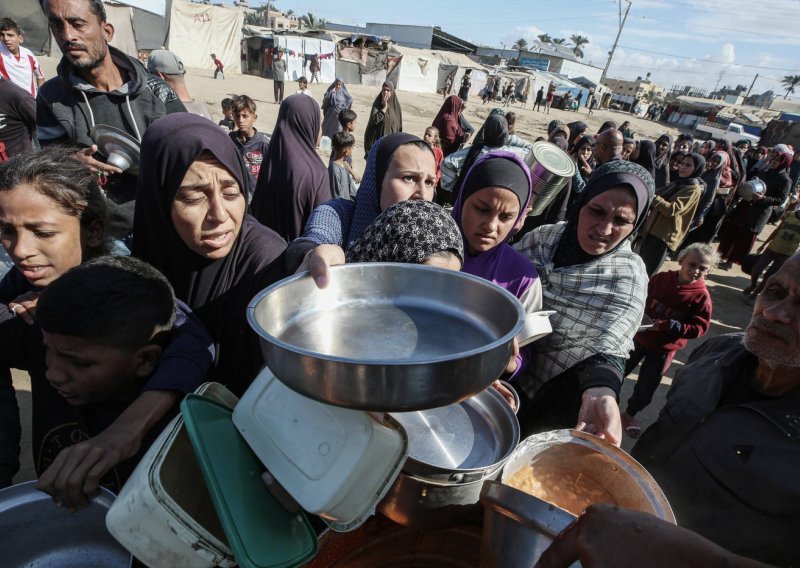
164, 515
335, 462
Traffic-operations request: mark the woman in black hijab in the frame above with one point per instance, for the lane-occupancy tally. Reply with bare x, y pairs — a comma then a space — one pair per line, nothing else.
293, 180
663, 155
385, 117
645, 156
576, 130
671, 213
190, 223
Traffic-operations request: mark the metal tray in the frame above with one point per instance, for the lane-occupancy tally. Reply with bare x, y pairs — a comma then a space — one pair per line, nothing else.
120, 148
385, 336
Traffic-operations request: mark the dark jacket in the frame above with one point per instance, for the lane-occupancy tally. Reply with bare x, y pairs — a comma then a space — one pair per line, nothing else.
727, 457
778, 185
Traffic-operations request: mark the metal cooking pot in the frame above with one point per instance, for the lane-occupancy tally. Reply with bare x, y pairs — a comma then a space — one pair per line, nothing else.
386, 336
35, 532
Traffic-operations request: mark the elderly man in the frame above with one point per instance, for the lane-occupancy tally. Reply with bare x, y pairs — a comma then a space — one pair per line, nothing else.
98, 85
726, 447
165, 65
608, 146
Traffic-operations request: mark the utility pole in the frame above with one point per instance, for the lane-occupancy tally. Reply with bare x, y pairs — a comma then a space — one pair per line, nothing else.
747, 96
719, 80
616, 40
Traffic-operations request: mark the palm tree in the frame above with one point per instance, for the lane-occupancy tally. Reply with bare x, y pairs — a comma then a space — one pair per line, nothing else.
311, 22
578, 41
289, 13
790, 82
559, 41
519, 45
544, 38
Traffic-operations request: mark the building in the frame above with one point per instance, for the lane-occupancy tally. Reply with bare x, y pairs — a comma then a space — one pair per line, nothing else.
418, 37
640, 88
277, 21
731, 96
764, 100
540, 56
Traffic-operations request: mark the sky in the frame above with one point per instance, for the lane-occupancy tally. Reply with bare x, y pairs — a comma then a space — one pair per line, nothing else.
680, 42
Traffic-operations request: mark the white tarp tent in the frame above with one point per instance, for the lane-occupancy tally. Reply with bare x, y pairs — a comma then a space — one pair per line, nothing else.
415, 70
157, 7
198, 30
121, 17
298, 52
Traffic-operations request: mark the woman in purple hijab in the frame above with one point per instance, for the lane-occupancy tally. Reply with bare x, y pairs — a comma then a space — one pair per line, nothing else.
491, 203
293, 180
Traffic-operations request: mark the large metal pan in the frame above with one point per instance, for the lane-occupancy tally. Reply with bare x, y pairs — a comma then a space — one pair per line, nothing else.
387, 337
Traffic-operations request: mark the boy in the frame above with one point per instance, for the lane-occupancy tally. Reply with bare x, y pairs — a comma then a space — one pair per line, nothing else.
218, 67
18, 64
252, 145
342, 183
302, 83
347, 120
679, 304
102, 328
227, 121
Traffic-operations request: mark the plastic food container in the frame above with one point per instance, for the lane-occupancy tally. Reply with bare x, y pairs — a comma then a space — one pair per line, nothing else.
164, 515
335, 462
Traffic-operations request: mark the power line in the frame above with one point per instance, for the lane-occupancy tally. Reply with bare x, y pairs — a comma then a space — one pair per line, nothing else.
703, 60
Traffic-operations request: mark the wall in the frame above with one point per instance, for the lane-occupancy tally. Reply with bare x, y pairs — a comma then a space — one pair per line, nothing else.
576, 69
409, 36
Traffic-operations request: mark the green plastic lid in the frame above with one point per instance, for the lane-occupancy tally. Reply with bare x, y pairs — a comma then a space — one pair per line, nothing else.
260, 531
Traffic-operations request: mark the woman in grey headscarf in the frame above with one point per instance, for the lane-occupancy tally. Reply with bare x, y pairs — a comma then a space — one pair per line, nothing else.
336, 100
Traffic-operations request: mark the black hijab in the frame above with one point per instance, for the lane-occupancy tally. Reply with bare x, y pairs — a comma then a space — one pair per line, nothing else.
680, 183
293, 180
607, 125
218, 291
495, 132
392, 120
576, 129
608, 176
662, 162
647, 156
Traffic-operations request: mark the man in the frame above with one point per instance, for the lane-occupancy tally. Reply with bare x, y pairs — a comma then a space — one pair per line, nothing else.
539, 96
98, 85
18, 64
17, 120
726, 447
167, 66
608, 146
278, 76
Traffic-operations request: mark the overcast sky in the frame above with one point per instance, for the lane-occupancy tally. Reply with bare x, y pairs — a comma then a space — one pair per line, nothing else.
678, 41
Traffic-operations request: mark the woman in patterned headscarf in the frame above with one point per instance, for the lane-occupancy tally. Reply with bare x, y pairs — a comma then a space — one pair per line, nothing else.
598, 286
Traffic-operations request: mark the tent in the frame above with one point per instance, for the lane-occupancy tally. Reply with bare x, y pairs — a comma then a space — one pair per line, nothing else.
151, 29
121, 17
456, 65
415, 70
198, 30
361, 59
298, 51
29, 16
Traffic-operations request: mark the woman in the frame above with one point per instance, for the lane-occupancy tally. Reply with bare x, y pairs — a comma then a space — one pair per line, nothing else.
645, 155
385, 117
675, 162
597, 285
293, 180
607, 125
750, 217
663, 155
576, 130
671, 213
491, 202
713, 203
625, 128
451, 135
336, 99
53, 217
582, 155
191, 224
400, 167
707, 148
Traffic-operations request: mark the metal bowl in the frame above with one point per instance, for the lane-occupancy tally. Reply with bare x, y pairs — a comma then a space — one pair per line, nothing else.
385, 336
35, 532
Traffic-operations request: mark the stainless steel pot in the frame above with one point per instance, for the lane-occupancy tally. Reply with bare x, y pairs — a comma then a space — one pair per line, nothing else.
387, 337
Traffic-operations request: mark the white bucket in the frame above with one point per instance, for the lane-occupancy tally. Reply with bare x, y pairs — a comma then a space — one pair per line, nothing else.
164, 515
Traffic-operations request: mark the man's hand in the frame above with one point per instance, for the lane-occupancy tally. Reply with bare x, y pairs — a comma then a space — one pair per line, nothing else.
24, 306
599, 414
318, 262
86, 156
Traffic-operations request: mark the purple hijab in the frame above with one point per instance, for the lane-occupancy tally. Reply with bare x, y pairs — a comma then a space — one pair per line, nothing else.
502, 265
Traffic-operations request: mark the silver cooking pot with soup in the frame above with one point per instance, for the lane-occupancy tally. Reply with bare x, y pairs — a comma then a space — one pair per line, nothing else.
387, 336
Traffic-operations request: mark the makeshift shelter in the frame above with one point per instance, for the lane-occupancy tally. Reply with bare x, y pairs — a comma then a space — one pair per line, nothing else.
121, 17
361, 59
456, 65
198, 30
151, 28
299, 50
415, 70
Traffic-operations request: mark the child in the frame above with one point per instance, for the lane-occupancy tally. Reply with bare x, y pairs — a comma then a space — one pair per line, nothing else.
227, 121
302, 83
679, 304
252, 145
432, 138
17, 63
347, 120
49, 188
218, 67
342, 183
779, 246
100, 334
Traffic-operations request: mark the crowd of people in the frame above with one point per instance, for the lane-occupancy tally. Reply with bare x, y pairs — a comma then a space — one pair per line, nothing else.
129, 288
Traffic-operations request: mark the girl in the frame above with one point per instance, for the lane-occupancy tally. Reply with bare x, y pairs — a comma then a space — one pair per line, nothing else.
449, 126
582, 154
431, 138
679, 304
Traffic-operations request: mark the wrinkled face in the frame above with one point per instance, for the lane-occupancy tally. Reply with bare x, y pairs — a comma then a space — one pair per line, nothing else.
686, 167
81, 36
208, 209
774, 332
487, 218
11, 40
411, 175
662, 146
694, 267
85, 372
586, 152
606, 220
42, 240
244, 119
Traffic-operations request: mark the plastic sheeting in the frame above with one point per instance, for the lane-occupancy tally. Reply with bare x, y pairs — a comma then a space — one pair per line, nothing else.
198, 30
121, 17
298, 52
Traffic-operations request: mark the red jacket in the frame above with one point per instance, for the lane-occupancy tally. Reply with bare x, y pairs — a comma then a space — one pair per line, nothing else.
688, 304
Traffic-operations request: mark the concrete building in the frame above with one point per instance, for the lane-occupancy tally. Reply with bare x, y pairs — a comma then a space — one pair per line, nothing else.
277, 21
640, 88
418, 37
764, 100
548, 57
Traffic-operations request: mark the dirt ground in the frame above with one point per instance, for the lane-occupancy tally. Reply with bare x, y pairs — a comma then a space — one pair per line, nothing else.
730, 312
